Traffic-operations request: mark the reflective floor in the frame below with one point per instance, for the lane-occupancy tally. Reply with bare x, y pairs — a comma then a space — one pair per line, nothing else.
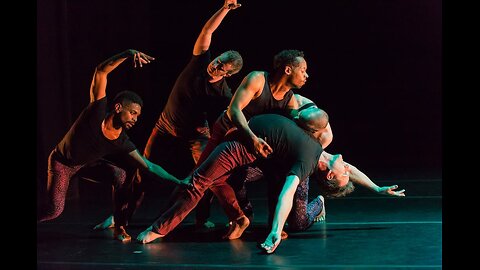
362, 231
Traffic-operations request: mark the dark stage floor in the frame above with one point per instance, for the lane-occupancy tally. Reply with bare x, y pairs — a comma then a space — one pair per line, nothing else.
362, 231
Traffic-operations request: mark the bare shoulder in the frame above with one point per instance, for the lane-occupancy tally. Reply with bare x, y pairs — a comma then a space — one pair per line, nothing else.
256, 74
255, 78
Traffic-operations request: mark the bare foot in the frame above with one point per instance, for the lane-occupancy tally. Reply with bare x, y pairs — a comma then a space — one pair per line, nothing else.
107, 223
121, 235
237, 228
148, 236
322, 215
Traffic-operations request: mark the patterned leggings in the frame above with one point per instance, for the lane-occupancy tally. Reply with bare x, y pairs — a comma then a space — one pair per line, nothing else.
59, 176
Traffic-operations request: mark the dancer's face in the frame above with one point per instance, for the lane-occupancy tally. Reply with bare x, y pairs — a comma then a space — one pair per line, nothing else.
219, 67
128, 114
339, 170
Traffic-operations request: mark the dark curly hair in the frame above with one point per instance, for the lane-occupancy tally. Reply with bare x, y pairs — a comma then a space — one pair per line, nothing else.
127, 97
286, 58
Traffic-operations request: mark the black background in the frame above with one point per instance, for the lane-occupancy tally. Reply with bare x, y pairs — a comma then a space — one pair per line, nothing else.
375, 66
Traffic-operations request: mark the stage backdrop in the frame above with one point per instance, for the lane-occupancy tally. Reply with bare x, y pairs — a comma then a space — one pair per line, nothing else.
375, 67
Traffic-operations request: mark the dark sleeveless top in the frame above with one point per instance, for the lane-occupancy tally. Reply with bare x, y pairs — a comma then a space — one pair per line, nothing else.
263, 104
266, 103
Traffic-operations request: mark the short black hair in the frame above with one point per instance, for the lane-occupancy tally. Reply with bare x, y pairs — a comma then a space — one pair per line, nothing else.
127, 97
286, 58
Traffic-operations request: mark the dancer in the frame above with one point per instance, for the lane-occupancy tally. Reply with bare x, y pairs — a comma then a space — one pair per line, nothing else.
200, 94
297, 150
97, 133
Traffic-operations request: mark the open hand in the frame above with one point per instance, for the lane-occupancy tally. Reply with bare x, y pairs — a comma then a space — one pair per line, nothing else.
140, 57
390, 190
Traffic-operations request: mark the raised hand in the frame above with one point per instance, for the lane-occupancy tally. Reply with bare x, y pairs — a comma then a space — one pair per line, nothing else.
231, 4
140, 57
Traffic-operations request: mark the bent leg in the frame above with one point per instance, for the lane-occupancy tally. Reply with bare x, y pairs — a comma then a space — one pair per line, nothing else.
222, 161
303, 214
59, 176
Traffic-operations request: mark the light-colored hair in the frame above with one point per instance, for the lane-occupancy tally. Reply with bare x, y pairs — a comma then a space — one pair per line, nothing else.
234, 58
330, 188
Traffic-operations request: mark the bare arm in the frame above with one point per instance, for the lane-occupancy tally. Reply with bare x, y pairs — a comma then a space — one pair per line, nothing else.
145, 165
326, 136
99, 82
205, 38
301, 100
250, 87
358, 177
293, 106
284, 206
285, 202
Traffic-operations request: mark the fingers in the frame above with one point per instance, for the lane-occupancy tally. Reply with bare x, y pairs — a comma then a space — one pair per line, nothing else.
134, 60
148, 57
265, 152
141, 58
266, 149
399, 193
234, 6
231, 4
270, 247
269, 149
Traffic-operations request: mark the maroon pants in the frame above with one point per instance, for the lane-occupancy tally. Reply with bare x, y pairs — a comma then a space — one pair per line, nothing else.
211, 174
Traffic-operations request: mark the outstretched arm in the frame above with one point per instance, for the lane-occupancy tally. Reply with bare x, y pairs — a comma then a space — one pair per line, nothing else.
358, 177
99, 82
205, 38
145, 165
250, 87
284, 206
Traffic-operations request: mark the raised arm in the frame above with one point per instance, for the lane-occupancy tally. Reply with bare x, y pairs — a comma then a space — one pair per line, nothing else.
284, 206
99, 82
205, 38
358, 177
250, 88
147, 166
